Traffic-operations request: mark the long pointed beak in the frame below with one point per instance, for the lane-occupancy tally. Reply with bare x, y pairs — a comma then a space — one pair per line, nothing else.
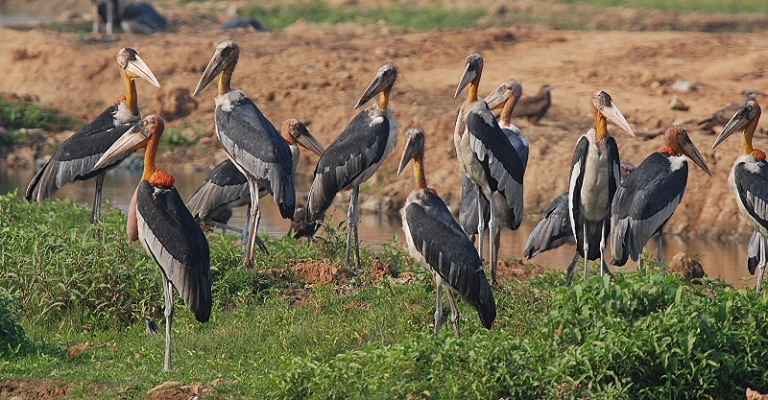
469, 75
134, 138
690, 150
738, 121
309, 142
498, 97
139, 68
614, 115
212, 70
414, 145
385, 78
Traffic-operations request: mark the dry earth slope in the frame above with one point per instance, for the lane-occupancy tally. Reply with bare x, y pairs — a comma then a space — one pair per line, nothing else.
316, 74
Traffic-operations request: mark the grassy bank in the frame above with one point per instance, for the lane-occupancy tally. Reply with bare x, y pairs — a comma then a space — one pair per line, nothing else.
85, 292
706, 6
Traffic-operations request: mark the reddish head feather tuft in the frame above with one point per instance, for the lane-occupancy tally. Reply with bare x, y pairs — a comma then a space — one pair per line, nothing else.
162, 178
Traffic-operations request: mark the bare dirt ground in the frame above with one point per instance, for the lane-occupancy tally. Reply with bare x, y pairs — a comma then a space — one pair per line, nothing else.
317, 73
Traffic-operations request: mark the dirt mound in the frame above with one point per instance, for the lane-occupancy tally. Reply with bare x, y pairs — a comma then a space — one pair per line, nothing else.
315, 272
35, 389
518, 269
178, 391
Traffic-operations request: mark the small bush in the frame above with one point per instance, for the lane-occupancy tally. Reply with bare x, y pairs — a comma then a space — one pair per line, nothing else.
15, 115
11, 333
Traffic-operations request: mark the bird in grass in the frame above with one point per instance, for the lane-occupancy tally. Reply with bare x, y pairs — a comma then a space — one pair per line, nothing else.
436, 240
355, 155
161, 222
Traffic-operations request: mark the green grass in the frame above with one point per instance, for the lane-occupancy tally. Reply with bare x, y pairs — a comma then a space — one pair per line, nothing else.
707, 6
18, 114
416, 18
632, 337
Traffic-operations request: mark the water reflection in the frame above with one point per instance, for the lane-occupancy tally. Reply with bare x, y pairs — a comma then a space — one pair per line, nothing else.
726, 259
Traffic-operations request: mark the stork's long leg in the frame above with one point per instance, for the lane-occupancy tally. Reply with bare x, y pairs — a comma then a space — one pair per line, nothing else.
763, 260
572, 269
454, 312
168, 291
110, 17
439, 310
356, 232
352, 221
95, 18
492, 229
661, 247
245, 233
496, 237
586, 251
96, 213
246, 230
255, 216
480, 224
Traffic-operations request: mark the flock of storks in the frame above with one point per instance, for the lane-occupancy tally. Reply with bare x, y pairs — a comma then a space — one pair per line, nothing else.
599, 206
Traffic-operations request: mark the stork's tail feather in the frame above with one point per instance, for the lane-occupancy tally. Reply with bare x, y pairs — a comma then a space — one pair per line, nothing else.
35, 190
286, 210
619, 241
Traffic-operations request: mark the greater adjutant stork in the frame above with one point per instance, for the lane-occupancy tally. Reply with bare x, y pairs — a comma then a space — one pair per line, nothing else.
749, 177
356, 155
76, 157
595, 175
507, 94
646, 200
227, 187
555, 230
160, 220
253, 144
486, 155
437, 241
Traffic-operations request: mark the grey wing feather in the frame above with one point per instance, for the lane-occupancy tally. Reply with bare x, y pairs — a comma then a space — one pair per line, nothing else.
178, 245
348, 160
258, 150
553, 230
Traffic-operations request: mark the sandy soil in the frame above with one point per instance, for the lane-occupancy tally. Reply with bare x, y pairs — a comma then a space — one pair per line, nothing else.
316, 74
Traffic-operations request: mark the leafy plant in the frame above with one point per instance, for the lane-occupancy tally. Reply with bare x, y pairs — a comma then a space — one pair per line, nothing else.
11, 333
17, 114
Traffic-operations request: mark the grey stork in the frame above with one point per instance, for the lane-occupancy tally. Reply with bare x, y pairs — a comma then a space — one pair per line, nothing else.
253, 144
507, 94
595, 175
76, 157
486, 155
227, 187
160, 220
554, 230
646, 200
356, 154
748, 179
437, 241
